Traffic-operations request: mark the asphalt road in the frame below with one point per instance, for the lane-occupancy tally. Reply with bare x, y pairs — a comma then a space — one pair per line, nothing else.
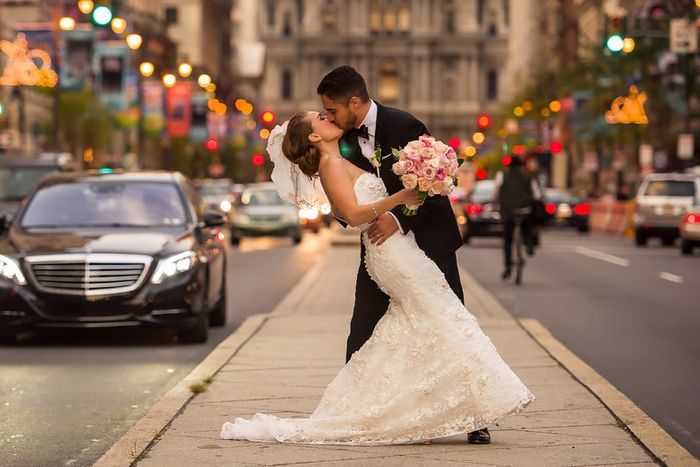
66, 397
631, 313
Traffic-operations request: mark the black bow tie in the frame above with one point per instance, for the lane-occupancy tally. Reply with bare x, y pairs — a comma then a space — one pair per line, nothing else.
362, 132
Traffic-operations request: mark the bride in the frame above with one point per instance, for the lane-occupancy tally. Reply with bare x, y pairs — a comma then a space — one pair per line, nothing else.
428, 371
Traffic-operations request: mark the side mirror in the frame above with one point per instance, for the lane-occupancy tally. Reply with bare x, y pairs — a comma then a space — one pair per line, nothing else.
213, 219
5, 221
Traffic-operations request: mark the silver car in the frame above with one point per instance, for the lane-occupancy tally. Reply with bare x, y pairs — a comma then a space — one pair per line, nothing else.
662, 200
261, 212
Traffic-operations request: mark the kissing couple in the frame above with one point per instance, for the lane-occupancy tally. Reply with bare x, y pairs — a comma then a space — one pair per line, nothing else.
418, 367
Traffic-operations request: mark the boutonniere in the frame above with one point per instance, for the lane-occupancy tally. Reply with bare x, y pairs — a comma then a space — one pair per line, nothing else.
377, 159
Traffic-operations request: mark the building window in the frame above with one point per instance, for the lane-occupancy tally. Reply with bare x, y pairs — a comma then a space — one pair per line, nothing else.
375, 21
271, 10
300, 11
286, 85
329, 19
493, 29
447, 91
390, 21
287, 26
389, 81
480, 11
404, 19
171, 15
506, 12
491, 85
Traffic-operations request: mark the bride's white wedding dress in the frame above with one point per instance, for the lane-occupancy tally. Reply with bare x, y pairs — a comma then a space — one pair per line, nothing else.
428, 371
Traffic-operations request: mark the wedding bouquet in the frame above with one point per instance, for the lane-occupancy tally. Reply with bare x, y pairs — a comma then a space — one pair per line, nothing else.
426, 164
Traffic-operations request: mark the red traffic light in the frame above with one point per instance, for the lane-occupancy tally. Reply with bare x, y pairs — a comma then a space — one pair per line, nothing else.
268, 117
555, 147
257, 159
506, 161
484, 121
454, 143
519, 149
211, 144
481, 174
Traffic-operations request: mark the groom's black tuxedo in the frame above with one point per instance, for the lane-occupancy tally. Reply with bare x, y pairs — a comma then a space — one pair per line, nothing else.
434, 226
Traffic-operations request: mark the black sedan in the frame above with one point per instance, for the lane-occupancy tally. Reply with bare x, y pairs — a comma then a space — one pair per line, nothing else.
481, 213
96, 250
566, 210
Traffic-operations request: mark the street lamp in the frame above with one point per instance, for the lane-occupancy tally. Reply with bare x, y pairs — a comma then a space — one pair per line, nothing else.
134, 41
118, 25
147, 69
185, 69
169, 80
204, 80
627, 45
66, 23
86, 6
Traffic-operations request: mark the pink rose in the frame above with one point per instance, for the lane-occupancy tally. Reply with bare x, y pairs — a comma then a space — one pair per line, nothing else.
409, 181
397, 168
408, 166
415, 145
429, 172
440, 174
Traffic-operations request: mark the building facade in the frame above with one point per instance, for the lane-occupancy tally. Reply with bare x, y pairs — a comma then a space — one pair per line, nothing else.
442, 60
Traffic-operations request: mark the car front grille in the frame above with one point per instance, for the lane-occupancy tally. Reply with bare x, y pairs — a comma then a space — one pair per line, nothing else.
88, 274
263, 218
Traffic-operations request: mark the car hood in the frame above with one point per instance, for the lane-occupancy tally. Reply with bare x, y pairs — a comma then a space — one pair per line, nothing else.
137, 241
267, 210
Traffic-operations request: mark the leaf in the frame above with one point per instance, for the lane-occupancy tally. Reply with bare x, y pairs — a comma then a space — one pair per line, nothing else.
395, 152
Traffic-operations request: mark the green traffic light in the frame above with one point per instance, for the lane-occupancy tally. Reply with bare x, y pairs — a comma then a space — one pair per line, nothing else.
614, 43
105, 170
102, 15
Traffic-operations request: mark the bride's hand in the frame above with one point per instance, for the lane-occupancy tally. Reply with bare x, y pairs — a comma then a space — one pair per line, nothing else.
411, 197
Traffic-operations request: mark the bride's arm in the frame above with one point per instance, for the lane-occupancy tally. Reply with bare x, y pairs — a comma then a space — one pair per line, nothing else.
341, 194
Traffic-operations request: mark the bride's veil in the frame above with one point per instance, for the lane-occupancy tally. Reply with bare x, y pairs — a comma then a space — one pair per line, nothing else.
291, 184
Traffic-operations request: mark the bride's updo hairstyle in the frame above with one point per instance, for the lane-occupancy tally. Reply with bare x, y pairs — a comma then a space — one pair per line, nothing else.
297, 147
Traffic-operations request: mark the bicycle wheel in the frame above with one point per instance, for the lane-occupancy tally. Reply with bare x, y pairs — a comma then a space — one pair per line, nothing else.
519, 259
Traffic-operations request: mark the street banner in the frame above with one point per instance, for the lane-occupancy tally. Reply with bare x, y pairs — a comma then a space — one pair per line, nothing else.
76, 71
683, 36
179, 109
685, 147
198, 130
113, 64
216, 126
152, 101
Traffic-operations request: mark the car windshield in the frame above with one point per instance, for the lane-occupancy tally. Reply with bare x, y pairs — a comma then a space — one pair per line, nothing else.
557, 196
483, 192
261, 198
17, 182
105, 204
214, 190
670, 188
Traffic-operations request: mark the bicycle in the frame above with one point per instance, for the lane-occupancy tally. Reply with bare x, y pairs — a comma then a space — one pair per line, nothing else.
518, 216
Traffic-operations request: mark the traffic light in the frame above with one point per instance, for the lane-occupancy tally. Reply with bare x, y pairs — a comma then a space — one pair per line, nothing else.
454, 143
615, 43
102, 15
268, 117
555, 147
212, 144
483, 121
257, 159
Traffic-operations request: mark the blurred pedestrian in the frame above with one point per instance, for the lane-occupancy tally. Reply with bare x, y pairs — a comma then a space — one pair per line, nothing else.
515, 193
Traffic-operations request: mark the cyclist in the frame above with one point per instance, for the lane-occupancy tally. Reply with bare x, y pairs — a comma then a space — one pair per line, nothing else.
515, 192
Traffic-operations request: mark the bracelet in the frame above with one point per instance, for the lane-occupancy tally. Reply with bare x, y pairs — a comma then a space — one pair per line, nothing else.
374, 210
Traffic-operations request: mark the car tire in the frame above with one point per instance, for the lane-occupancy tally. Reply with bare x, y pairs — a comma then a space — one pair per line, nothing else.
584, 228
235, 240
668, 240
197, 334
686, 247
217, 315
640, 239
296, 239
466, 239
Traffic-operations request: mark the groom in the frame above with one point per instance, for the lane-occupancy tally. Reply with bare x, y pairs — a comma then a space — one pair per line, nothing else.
370, 126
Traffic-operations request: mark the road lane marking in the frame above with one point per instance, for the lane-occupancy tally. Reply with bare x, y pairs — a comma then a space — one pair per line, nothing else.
602, 256
671, 277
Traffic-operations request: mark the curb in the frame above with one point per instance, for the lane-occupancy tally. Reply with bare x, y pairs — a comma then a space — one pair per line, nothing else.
140, 437
642, 427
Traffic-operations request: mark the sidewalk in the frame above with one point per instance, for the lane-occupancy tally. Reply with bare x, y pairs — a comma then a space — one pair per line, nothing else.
291, 354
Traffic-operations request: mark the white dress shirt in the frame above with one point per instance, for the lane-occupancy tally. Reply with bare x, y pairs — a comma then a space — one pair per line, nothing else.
367, 145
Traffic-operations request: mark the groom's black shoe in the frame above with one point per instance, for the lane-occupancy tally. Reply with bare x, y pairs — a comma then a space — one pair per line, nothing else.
479, 437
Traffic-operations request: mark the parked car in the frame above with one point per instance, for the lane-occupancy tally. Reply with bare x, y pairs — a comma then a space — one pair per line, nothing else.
481, 213
690, 229
261, 212
217, 194
311, 219
113, 250
564, 209
18, 175
661, 201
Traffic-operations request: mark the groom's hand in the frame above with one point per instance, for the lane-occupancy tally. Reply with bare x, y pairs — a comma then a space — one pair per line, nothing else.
384, 227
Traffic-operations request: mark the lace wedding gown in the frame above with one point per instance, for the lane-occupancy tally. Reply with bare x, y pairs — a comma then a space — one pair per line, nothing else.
427, 371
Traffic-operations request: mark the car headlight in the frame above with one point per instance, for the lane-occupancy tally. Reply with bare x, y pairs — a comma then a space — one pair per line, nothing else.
325, 209
310, 214
242, 219
225, 206
174, 265
9, 269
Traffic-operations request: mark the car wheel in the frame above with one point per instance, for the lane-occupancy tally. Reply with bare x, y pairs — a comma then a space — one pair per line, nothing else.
217, 315
297, 239
668, 241
584, 228
466, 239
197, 334
686, 247
8, 339
640, 239
235, 240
